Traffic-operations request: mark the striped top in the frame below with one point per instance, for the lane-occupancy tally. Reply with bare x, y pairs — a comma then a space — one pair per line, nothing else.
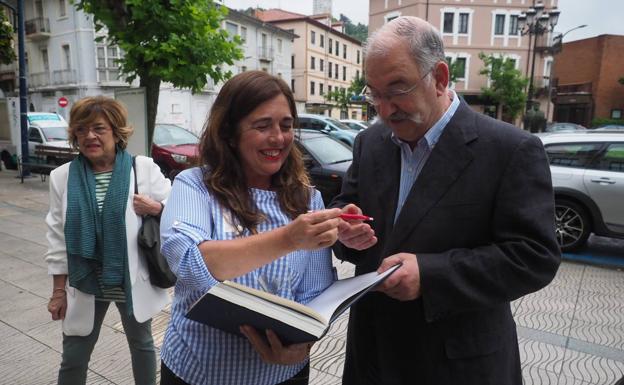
197, 353
413, 161
113, 294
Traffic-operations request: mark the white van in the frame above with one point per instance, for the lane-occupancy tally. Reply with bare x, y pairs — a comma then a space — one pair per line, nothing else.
46, 128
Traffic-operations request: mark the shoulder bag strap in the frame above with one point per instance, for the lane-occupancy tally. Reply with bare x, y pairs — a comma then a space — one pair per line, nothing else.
136, 184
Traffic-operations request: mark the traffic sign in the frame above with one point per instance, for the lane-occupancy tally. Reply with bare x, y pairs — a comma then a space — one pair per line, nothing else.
63, 102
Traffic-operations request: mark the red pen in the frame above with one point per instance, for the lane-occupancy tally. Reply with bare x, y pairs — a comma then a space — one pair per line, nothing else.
347, 217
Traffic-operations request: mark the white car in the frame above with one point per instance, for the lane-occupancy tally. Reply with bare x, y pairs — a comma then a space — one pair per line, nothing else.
355, 124
587, 170
47, 129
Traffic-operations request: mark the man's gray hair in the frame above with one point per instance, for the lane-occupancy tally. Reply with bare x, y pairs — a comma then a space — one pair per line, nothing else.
424, 41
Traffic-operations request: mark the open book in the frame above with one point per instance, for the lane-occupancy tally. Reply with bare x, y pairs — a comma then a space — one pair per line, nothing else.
228, 305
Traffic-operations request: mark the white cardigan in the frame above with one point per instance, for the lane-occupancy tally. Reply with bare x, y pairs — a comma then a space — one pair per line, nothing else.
147, 300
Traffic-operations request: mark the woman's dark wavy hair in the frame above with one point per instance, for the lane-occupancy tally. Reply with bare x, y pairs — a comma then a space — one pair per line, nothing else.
224, 177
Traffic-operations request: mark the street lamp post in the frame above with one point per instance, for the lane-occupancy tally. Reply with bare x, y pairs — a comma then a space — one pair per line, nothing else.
535, 22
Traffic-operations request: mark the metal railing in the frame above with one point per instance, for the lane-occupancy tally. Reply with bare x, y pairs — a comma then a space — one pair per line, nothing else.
265, 53
37, 25
38, 79
67, 76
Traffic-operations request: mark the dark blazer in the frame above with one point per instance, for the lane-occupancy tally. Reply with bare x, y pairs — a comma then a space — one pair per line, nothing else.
480, 218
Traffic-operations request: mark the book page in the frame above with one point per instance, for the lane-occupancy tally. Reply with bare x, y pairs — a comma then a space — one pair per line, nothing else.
340, 291
278, 300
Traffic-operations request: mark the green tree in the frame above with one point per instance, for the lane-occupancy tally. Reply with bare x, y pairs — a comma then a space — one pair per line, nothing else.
7, 53
457, 70
359, 31
176, 41
506, 85
621, 80
342, 97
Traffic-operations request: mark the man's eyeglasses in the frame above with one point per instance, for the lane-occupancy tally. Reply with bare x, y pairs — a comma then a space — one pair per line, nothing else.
98, 131
375, 98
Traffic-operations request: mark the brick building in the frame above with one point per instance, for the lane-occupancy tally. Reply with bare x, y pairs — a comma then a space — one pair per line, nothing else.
586, 74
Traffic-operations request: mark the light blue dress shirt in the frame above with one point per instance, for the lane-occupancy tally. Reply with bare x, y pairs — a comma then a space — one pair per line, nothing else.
198, 353
413, 161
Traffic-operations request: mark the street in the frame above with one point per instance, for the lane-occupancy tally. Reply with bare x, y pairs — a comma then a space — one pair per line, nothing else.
570, 333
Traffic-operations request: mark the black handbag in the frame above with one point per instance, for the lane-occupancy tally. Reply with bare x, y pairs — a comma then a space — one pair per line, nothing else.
149, 242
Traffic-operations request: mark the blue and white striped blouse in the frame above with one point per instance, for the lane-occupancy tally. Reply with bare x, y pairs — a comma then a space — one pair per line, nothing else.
197, 353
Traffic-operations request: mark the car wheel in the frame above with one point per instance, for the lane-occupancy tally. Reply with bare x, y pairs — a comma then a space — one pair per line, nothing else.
572, 224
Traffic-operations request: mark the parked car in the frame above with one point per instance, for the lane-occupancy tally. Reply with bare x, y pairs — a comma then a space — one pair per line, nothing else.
174, 149
329, 126
588, 178
354, 124
564, 127
326, 160
47, 129
610, 127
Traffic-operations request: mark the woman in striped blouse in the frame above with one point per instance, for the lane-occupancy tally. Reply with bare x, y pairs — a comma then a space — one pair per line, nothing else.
249, 214
93, 254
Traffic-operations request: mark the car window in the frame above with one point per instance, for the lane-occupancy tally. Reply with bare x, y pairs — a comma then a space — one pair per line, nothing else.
572, 154
55, 133
327, 150
612, 159
170, 135
33, 135
338, 124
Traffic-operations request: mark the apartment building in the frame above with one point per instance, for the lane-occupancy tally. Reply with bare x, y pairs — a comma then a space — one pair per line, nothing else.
469, 27
324, 59
589, 88
64, 59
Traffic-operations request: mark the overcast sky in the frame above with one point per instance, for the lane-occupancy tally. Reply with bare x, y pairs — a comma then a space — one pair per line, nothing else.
601, 16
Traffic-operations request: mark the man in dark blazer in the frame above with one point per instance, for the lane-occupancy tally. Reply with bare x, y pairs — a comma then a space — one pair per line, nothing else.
463, 201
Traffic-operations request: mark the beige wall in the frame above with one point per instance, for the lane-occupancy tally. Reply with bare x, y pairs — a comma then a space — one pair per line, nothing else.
303, 73
480, 36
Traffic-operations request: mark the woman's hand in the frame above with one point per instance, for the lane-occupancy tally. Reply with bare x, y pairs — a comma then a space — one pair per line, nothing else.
274, 352
57, 306
314, 230
144, 205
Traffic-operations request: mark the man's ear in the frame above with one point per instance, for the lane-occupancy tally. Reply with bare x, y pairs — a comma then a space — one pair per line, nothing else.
441, 75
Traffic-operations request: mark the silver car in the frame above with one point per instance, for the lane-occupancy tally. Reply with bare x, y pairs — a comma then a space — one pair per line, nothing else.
588, 178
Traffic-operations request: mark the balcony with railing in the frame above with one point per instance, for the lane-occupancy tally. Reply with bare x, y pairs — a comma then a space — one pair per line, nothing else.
38, 28
546, 42
39, 79
265, 53
67, 76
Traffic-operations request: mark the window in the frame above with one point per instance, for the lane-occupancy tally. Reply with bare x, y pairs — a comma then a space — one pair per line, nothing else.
312, 63
337, 48
108, 63
344, 51
66, 57
612, 159
572, 154
344, 73
44, 59
312, 88
460, 67
463, 23
243, 34
513, 25
312, 37
292, 85
616, 114
292, 61
279, 46
357, 74
321, 65
34, 135
232, 29
512, 61
336, 73
243, 68
448, 22
354, 114
330, 45
62, 8
358, 56
329, 90
322, 42
329, 65
499, 25
321, 89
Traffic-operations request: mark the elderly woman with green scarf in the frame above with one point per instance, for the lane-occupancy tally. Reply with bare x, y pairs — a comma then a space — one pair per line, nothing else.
93, 256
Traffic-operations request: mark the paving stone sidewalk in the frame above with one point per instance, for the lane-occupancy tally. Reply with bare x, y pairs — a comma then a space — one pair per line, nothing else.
570, 333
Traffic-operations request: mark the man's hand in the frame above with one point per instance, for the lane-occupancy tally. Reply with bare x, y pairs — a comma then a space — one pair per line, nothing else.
275, 352
355, 234
403, 284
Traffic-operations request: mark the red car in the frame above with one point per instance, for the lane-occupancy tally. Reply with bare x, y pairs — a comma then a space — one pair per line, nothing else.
174, 149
